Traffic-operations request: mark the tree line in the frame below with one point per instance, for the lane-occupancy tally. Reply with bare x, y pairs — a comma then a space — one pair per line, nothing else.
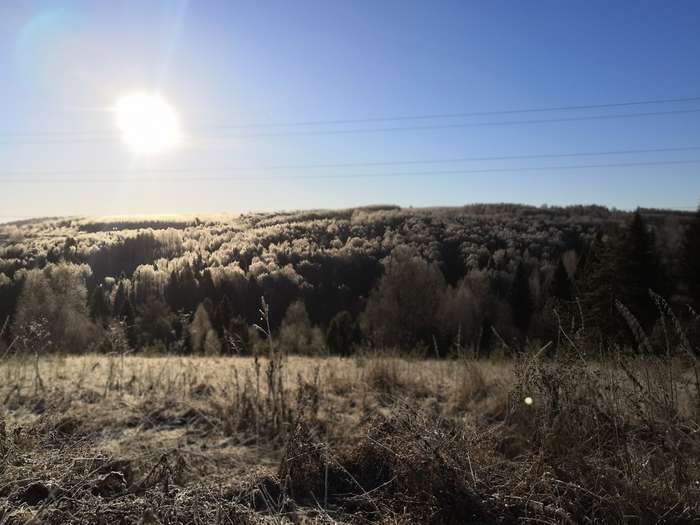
446, 281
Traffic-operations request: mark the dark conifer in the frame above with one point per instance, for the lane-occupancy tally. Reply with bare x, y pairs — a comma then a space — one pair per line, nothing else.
99, 306
340, 333
600, 286
127, 315
223, 313
520, 300
623, 267
561, 287
207, 289
120, 298
640, 270
690, 259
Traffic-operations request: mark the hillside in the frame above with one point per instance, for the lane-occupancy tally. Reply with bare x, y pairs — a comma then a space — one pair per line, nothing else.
463, 264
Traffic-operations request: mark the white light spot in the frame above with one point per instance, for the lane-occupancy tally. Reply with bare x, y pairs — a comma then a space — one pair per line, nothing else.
148, 123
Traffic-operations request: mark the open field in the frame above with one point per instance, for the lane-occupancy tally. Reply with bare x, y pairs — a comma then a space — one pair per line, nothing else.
123, 439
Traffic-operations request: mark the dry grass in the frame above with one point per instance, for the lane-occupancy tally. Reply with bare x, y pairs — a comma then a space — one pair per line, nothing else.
240, 440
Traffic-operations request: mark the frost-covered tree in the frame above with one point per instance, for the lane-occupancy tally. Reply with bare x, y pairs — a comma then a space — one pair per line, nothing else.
57, 296
297, 335
460, 318
203, 337
403, 310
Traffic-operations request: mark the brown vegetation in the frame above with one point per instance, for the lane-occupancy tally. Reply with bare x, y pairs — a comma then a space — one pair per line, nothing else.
367, 439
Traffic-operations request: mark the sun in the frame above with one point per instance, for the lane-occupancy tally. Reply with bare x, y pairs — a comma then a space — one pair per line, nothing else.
148, 124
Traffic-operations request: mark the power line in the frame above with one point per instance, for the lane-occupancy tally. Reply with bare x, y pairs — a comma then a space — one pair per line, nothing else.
460, 125
451, 160
466, 114
425, 116
356, 175
403, 128
387, 129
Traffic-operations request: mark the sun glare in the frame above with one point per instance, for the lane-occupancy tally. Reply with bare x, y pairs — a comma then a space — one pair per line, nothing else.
148, 124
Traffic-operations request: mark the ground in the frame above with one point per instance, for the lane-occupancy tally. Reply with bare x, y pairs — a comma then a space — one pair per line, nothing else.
127, 439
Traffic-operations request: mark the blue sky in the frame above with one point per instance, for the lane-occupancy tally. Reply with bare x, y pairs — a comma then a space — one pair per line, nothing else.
228, 63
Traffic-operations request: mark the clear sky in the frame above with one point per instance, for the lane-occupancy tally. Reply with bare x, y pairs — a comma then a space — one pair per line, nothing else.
231, 68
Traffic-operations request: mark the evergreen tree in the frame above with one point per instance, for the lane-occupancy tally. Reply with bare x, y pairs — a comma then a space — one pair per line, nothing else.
127, 315
690, 259
171, 292
561, 287
180, 325
223, 313
99, 306
154, 322
121, 297
451, 261
600, 286
485, 344
182, 290
520, 300
640, 270
207, 289
623, 268
340, 333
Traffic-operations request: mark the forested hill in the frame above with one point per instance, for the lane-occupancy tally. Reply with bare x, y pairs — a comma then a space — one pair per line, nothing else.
381, 275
